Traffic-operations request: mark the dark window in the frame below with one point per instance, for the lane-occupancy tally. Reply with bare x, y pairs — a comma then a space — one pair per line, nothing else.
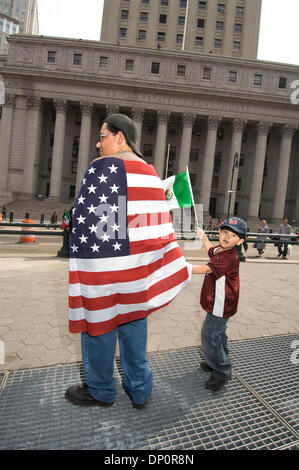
199, 40
202, 6
183, 3
143, 16
161, 37
155, 67
129, 65
218, 43
232, 76
238, 28
221, 8
52, 56
219, 25
282, 82
122, 32
103, 62
141, 34
124, 14
200, 23
181, 71
179, 38
77, 59
206, 73
257, 80
181, 21
163, 19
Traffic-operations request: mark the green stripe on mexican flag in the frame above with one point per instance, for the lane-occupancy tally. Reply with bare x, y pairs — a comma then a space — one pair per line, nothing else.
178, 191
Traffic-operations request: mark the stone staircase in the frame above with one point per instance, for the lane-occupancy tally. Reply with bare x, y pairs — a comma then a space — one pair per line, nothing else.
35, 207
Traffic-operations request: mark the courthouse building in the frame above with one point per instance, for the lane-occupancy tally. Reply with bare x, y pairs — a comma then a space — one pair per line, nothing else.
206, 109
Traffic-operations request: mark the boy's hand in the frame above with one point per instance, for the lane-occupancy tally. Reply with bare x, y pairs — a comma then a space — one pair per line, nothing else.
201, 233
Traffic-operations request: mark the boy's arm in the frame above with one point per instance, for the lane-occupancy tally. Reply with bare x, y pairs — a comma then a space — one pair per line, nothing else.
201, 269
202, 236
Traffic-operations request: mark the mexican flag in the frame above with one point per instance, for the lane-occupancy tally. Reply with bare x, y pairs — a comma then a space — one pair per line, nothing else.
66, 219
178, 191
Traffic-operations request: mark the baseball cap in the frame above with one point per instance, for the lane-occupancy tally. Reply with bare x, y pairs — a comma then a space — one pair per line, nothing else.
235, 225
128, 128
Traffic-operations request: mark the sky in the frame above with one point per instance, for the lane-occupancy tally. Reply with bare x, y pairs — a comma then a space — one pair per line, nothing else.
279, 32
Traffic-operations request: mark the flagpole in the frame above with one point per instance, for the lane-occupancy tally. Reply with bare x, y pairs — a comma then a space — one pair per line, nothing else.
167, 161
195, 214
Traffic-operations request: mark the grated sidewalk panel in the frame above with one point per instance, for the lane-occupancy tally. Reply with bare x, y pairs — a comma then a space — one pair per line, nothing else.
182, 414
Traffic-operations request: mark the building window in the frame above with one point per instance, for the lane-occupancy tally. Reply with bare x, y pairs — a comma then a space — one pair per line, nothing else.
164, 3
219, 25
145, 1
161, 37
232, 76
103, 62
124, 14
183, 3
52, 57
179, 38
200, 23
144, 16
74, 166
192, 179
181, 71
218, 43
236, 46
282, 82
206, 73
123, 33
238, 28
163, 19
239, 184
141, 34
129, 67
202, 5
199, 40
77, 59
193, 155
221, 8
240, 11
155, 69
257, 79
215, 182
181, 21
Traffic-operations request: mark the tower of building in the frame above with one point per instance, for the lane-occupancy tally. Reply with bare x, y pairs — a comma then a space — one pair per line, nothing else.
227, 28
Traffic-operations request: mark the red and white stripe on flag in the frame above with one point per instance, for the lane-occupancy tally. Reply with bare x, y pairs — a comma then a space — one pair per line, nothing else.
107, 292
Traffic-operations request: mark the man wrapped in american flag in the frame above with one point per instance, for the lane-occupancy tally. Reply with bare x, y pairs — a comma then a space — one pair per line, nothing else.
125, 263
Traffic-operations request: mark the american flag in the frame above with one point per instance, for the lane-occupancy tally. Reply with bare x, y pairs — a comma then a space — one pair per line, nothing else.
125, 261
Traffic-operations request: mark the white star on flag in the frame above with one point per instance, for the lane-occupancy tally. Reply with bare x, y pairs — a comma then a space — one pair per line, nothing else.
113, 168
104, 218
91, 209
103, 179
74, 248
103, 198
114, 208
83, 239
105, 237
81, 199
93, 229
84, 181
81, 220
95, 248
91, 170
115, 227
116, 246
92, 189
114, 188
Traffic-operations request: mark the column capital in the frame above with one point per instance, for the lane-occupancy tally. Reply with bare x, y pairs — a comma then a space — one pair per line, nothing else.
10, 100
34, 102
163, 116
60, 105
86, 108
263, 127
288, 130
213, 122
112, 109
138, 114
238, 125
188, 119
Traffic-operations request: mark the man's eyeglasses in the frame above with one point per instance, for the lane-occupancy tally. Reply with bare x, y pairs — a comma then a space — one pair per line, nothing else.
101, 136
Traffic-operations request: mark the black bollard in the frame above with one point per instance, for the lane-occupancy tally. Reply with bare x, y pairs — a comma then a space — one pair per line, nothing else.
11, 217
42, 218
27, 215
64, 250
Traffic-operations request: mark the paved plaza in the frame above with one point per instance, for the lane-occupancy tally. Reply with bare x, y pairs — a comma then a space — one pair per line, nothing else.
34, 317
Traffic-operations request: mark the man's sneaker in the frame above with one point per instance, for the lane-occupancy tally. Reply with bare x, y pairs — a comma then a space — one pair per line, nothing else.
79, 395
205, 367
214, 384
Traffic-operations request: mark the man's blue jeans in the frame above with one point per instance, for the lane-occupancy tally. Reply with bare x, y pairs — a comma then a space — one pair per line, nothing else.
98, 362
214, 345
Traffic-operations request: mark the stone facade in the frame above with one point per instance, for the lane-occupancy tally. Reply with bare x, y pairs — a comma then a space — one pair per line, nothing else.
58, 91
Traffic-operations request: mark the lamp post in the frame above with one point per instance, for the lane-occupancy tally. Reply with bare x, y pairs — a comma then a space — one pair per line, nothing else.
236, 164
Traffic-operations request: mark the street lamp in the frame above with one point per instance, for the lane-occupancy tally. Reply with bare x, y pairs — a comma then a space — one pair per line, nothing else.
236, 164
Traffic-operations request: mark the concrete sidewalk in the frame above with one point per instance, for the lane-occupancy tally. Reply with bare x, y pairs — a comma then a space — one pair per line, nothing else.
34, 319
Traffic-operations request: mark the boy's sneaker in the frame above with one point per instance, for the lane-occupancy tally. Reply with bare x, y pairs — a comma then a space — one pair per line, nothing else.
205, 367
214, 384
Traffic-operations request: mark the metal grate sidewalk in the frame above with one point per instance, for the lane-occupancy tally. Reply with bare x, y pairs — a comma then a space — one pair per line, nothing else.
258, 409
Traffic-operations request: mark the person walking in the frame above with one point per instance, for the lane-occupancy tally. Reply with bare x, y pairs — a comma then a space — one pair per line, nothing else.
284, 229
261, 245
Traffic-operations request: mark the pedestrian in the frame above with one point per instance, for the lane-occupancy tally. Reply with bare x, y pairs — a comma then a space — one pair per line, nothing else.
4, 212
53, 219
285, 229
260, 245
125, 263
219, 298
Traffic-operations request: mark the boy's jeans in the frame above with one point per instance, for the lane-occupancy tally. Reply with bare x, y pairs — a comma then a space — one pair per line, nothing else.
98, 362
214, 345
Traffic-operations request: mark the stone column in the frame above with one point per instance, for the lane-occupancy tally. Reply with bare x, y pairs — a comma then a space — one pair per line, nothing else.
112, 109
238, 126
138, 114
188, 121
263, 129
287, 132
58, 148
32, 146
5, 142
83, 158
159, 156
208, 163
